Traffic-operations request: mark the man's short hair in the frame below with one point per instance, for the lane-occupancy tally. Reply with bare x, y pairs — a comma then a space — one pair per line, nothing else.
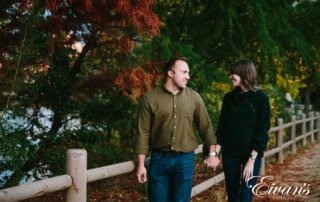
170, 63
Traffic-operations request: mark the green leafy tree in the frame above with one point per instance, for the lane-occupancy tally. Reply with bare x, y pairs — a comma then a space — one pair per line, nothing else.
214, 34
305, 15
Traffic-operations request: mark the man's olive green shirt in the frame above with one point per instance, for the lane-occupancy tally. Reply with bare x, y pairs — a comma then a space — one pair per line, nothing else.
166, 121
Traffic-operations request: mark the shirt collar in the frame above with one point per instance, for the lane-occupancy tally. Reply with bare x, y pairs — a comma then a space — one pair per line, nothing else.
169, 92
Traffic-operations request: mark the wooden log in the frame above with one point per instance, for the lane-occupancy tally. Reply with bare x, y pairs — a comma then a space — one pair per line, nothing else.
110, 171
35, 189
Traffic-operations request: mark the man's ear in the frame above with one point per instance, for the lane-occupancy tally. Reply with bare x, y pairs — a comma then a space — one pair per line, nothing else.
170, 73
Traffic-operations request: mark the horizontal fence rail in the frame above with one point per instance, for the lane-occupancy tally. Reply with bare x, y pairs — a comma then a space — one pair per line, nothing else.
77, 176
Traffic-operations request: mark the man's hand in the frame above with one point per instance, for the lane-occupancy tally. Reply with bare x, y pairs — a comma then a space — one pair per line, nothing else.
141, 169
141, 174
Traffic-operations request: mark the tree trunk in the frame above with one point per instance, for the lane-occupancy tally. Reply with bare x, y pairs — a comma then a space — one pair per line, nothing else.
306, 100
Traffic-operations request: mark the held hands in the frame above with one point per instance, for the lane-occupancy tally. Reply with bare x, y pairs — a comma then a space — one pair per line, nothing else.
212, 162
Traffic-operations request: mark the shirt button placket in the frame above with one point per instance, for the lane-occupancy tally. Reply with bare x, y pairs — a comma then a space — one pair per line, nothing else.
174, 123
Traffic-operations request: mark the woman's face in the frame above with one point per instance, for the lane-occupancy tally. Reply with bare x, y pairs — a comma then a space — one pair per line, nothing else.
236, 80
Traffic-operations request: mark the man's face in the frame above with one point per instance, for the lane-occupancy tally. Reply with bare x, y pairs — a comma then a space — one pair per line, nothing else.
180, 74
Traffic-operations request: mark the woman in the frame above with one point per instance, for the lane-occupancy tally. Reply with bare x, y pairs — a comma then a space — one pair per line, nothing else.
242, 132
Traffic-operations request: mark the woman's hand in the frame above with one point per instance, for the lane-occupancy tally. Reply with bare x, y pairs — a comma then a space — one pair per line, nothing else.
248, 170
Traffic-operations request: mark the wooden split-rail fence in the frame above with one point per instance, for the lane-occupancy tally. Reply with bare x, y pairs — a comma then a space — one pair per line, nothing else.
285, 135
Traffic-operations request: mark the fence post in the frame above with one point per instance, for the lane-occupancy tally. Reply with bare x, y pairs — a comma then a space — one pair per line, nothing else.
311, 126
304, 130
280, 140
293, 134
318, 125
77, 169
263, 166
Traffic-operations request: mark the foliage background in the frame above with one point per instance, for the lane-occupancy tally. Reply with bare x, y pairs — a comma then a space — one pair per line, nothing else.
72, 72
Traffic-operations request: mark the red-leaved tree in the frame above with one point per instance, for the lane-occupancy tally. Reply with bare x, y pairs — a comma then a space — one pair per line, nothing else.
68, 57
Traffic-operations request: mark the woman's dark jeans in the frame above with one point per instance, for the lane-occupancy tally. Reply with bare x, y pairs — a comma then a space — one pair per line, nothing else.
170, 176
237, 189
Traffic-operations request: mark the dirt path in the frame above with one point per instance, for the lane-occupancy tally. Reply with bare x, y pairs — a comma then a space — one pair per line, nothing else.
297, 179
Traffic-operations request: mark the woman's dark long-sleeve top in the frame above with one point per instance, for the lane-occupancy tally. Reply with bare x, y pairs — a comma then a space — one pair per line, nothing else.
244, 123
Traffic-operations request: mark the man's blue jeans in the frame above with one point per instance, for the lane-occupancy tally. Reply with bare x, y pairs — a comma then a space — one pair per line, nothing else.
170, 176
237, 188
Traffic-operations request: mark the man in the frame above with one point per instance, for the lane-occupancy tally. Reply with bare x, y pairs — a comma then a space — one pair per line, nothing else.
166, 118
